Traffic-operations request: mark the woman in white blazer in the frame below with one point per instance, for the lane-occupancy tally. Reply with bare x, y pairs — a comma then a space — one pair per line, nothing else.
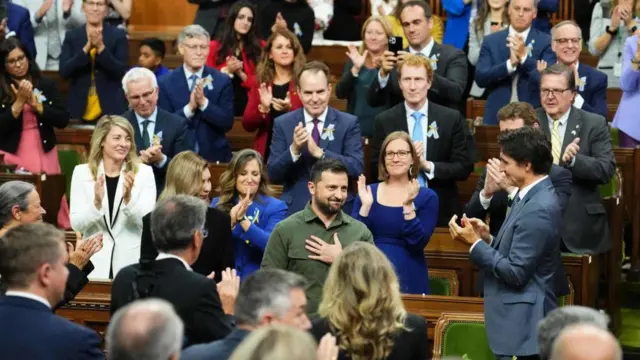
50, 21
111, 194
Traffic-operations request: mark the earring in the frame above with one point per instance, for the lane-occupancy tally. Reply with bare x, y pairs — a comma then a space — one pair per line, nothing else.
411, 171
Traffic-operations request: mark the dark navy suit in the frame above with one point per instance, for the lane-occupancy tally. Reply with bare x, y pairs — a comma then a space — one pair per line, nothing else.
30, 330
173, 129
19, 21
492, 73
346, 146
594, 90
206, 128
219, 349
110, 67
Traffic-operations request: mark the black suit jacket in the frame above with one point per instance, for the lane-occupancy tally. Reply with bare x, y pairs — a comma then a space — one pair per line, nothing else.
54, 115
450, 153
216, 253
448, 86
559, 176
585, 228
219, 350
193, 296
76, 281
174, 139
210, 13
110, 66
408, 345
343, 25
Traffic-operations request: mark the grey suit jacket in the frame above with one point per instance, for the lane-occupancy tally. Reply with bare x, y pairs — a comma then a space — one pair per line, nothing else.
518, 269
585, 228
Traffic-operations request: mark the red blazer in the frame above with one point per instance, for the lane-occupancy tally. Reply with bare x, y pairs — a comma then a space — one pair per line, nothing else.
254, 120
249, 66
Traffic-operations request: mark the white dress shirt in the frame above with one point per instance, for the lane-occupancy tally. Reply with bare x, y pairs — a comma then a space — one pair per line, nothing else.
426, 52
28, 295
524, 36
562, 129
579, 100
162, 256
151, 129
521, 194
308, 121
187, 111
411, 122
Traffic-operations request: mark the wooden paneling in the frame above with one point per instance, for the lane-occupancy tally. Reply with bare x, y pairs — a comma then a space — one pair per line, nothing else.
161, 13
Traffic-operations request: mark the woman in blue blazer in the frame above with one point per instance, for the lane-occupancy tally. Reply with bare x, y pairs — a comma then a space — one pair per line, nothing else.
245, 195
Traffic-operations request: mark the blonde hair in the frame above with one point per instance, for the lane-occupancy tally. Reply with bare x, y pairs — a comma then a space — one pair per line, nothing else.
266, 69
380, 20
417, 61
362, 303
103, 127
276, 342
382, 166
228, 179
184, 175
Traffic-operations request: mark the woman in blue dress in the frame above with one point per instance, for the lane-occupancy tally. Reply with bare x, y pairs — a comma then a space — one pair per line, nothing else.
245, 195
400, 214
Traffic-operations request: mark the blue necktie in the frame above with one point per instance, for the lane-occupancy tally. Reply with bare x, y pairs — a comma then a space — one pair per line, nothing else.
193, 79
419, 136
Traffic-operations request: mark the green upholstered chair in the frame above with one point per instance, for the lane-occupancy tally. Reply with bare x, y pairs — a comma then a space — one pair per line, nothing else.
460, 334
69, 156
567, 299
443, 282
615, 136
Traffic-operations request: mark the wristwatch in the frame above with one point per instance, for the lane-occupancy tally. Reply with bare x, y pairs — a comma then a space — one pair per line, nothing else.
611, 32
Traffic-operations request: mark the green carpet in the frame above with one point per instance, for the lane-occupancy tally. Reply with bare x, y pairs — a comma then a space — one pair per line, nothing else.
630, 332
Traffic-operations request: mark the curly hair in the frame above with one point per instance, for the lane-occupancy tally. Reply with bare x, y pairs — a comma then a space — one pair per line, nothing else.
266, 70
361, 301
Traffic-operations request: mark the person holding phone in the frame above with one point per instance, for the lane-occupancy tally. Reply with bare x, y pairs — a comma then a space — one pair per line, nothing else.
361, 69
20, 204
449, 64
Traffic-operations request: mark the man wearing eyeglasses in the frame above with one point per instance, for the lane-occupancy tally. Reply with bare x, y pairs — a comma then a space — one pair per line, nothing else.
200, 94
566, 42
580, 142
159, 134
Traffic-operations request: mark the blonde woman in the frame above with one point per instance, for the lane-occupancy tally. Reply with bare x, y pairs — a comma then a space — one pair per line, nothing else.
111, 194
278, 341
360, 71
246, 196
362, 307
189, 174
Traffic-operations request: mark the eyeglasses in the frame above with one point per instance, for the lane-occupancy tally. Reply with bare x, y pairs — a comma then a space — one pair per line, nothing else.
402, 154
196, 47
564, 41
555, 92
95, 4
144, 96
19, 59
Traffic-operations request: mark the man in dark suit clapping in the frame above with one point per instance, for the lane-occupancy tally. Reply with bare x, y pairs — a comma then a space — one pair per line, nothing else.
159, 134
449, 64
178, 228
32, 263
438, 134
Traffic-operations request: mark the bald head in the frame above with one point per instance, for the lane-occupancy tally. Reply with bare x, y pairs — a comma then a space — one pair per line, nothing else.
145, 329
586, 342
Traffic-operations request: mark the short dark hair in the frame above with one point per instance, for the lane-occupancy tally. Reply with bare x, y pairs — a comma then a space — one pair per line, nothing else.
156, 45
333, 165
174, 221
527, 145
421, 3
24, 248
519, 110
561, 69
315, 67
265, 290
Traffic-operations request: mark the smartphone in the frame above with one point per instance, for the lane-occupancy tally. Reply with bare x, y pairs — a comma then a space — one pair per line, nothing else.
395, 44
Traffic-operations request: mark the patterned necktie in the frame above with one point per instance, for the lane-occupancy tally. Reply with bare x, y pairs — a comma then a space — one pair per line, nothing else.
194, 79
419, 136
146, 139
315, 133
556, 143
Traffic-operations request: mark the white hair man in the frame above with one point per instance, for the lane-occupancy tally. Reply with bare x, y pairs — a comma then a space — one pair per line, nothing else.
145, 330
586, 342
159, 134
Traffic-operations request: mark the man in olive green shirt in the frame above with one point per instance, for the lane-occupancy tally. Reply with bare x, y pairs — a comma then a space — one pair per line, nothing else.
307, 242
